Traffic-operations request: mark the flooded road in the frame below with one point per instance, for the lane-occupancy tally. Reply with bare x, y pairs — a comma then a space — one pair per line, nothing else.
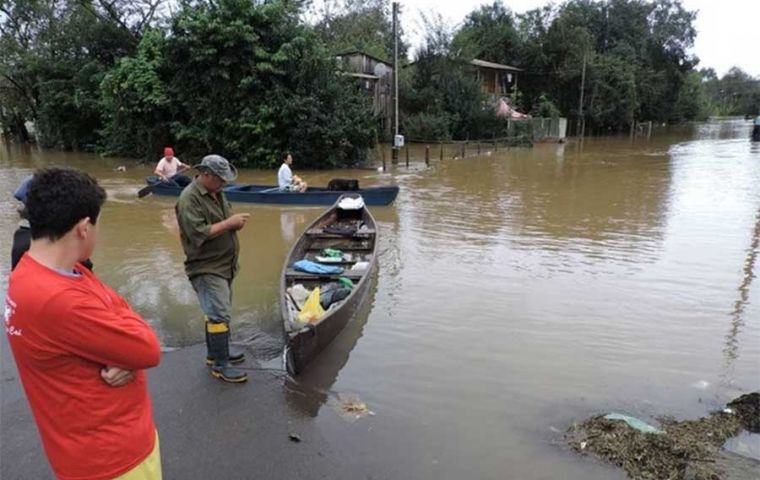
518, 291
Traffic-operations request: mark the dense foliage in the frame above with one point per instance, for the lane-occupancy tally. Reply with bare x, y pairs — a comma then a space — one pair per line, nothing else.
736, 93
365, 25
636, 54
440, 98
249, 79
244, 79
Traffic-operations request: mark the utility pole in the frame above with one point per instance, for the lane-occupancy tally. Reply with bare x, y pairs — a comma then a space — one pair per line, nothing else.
581, 128
394, 158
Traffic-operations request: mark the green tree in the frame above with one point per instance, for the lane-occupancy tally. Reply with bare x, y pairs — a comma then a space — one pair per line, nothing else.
136, 103
245, 80
488, 33
55, 54
736, 93
365, 25
693, 102
443, 97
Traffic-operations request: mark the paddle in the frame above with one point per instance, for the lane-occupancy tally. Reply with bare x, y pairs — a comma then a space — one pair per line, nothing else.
145, 191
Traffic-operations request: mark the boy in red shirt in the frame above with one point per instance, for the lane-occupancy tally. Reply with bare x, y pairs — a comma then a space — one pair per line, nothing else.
80, 349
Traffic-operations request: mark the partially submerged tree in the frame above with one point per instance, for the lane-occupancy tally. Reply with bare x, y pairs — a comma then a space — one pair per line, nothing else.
55, 53
243, 80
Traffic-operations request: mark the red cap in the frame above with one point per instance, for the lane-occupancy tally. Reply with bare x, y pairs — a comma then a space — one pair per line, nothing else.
168, 152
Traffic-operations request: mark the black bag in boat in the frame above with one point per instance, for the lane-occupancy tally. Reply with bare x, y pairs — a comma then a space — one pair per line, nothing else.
331, 293
343, 184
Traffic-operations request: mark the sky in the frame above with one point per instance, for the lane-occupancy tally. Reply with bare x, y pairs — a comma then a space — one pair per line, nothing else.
728, 31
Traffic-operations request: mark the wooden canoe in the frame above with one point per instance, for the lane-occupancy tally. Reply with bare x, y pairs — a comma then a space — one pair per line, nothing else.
304, 340
271, 195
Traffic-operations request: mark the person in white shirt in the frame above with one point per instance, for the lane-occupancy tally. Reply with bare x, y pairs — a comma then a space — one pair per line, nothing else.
169, 167
285, 178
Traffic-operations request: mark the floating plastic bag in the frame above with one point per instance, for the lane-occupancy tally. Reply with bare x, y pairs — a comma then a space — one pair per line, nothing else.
312, 310
633, 422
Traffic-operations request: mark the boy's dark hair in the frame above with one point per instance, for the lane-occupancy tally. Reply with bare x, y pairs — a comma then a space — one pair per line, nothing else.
284, 156
59, 198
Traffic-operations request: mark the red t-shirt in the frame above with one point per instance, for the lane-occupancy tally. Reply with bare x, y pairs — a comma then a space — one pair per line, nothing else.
63, 330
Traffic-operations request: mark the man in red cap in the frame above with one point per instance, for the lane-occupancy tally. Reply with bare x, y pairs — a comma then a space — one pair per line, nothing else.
169, 167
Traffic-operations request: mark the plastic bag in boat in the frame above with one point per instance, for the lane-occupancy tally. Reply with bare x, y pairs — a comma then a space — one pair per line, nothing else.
312, 310
351, 203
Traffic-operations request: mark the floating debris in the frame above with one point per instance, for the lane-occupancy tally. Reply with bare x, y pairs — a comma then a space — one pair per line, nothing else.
351, 408
294, 437
690, 449
633, 422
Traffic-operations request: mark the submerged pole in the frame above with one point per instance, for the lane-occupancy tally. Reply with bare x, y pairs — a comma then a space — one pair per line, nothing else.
580, 102
395, 80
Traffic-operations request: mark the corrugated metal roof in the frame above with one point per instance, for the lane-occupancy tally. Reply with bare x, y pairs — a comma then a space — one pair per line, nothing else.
361, 75
495, 66
359, 52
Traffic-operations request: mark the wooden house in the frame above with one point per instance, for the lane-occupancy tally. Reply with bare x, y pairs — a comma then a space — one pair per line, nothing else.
375, 76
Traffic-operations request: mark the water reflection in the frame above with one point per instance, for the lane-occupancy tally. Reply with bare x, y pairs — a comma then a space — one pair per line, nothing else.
738, 313
598, 205
288, 222
717, 128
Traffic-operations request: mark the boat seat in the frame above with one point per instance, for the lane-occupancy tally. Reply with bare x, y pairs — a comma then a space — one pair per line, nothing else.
345, 248
318, 232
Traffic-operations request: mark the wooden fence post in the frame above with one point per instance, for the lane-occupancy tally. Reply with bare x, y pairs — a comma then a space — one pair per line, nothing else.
427, 155
407, 156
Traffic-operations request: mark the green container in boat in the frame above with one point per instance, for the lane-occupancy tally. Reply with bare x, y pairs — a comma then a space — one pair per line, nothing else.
331, 252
